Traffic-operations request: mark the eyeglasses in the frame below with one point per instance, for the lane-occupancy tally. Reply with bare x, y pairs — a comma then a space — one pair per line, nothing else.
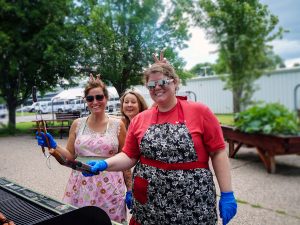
91, 98
162, 83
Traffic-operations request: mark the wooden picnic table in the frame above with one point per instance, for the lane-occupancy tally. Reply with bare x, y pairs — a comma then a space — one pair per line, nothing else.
60, 125
62, 122
267, 146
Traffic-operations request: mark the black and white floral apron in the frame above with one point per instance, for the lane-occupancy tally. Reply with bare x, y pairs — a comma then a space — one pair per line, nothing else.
170, 185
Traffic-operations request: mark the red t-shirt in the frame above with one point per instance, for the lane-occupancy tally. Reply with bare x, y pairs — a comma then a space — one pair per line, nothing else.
200, 121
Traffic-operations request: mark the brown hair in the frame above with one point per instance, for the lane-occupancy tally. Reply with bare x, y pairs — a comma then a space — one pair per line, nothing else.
164, 68
95, 83
141, 102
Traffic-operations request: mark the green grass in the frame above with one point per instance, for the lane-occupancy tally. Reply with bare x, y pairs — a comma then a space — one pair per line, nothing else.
24, 113
25, 127
226, 119
21, 128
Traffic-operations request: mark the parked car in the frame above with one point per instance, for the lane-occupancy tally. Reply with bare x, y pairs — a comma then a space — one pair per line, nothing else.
60, 106
78, 105
42, 107
31, 108
113, 104
25, 108
3, 111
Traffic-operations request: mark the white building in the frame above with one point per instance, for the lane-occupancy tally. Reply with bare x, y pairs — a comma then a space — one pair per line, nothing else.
276, 86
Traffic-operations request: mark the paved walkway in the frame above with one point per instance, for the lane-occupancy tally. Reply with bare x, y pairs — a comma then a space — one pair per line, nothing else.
264, 199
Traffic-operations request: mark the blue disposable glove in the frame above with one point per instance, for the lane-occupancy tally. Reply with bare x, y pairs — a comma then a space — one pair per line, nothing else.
227, 206
128, 199
96, 166
41, 139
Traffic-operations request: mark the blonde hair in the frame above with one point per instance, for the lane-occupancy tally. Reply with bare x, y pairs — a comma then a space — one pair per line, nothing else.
164, 68
141, 102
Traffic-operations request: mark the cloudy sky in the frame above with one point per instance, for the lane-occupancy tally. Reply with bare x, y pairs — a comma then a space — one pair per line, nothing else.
288, 48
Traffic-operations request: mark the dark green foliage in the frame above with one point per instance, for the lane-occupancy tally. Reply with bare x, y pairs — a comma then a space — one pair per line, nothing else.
272, 118
37, 48
120, 37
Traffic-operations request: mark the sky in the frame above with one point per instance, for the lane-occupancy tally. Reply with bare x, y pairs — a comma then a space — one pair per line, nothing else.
200, 50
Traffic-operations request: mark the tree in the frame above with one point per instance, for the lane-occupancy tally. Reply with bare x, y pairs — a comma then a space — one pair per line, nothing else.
242, 29
120, 37
203, 69
37, 47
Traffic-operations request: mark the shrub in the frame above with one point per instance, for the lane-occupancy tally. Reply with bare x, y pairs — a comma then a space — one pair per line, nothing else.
272, 118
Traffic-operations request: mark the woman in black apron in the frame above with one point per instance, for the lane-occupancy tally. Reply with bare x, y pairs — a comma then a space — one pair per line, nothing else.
170, 146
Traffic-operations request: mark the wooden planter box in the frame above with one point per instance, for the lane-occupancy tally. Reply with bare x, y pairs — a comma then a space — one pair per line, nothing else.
268, 146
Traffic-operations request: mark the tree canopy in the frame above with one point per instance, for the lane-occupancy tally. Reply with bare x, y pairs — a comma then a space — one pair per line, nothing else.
242, 29
43, 43
37, 48
120, 37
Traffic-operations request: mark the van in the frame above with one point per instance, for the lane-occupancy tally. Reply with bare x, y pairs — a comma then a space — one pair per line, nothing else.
3, 111
31, 108
78, 105
113, 104
42, 107
60, 106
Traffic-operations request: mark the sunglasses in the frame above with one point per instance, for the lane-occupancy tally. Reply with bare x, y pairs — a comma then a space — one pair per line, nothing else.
162, 83
91, 98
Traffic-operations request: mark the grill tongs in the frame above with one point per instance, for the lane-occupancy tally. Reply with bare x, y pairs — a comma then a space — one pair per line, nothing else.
74, 164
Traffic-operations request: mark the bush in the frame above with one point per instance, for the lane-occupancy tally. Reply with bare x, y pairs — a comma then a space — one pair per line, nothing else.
271, 118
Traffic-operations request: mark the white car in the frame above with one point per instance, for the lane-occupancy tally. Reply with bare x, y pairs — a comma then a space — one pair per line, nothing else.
24, 108
3, 111
42, 107
61, 105
113, 104
32, 107
78, 105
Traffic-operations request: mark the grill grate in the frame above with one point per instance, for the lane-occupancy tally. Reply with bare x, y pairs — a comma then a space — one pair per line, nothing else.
22, 212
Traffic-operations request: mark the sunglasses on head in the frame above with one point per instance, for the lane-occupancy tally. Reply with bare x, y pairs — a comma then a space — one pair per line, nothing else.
91, 98
162, 83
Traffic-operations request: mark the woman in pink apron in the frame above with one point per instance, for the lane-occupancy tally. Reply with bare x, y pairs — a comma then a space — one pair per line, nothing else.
170, 146
97, 136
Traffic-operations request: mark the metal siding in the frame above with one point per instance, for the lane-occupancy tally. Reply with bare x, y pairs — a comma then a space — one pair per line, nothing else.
210, 92
277, 86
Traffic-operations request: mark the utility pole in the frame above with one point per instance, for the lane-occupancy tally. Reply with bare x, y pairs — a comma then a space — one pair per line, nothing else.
205, 69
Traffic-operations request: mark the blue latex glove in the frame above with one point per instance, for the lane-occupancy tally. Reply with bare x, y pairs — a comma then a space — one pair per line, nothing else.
41, 139
128, 199
96, 166
227, 206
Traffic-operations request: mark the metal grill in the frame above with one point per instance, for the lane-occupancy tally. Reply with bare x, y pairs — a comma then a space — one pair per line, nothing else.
27, 207
22, 211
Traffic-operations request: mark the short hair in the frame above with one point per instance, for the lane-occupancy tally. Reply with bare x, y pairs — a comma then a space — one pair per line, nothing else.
164, 68
96, 83
141, 102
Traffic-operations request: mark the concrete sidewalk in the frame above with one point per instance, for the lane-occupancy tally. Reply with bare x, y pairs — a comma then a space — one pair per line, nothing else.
266, 199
